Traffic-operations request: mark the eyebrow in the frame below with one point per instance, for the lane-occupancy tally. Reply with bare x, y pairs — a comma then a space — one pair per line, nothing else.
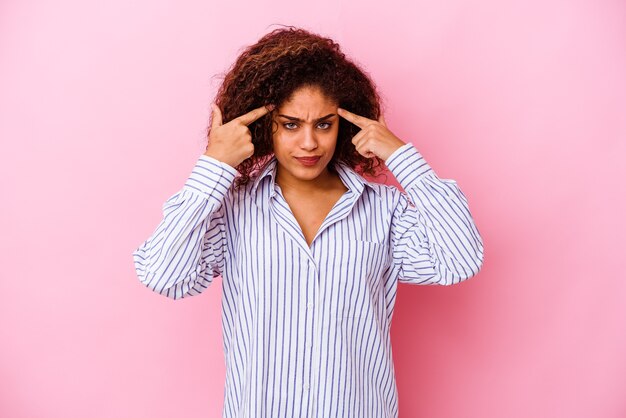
300, 120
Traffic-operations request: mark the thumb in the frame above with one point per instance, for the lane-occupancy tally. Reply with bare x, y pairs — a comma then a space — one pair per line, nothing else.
217, 116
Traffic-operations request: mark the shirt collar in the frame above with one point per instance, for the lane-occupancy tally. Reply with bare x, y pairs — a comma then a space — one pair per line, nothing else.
353, 180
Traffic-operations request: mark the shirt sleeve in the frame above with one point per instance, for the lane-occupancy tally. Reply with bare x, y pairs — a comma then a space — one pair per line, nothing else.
435, 240
188, 248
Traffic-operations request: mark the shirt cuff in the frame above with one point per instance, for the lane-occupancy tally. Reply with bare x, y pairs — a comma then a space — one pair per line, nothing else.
210, 177
407, 165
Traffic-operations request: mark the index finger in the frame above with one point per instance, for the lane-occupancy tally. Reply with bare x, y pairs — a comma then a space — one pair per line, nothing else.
254, 114
360, 121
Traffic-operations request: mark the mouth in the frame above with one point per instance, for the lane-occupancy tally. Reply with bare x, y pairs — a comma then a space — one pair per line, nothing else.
308, 161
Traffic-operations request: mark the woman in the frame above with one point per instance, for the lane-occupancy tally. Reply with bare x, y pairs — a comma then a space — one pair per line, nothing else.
310, 253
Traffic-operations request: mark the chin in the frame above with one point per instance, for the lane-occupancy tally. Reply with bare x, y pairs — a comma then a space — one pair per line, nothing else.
305, 174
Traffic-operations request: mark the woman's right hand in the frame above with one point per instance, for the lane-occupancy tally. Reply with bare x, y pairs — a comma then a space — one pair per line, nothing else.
231, 143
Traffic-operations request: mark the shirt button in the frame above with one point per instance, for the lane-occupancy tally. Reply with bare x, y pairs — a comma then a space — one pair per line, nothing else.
309, 344
310, 305
306, 386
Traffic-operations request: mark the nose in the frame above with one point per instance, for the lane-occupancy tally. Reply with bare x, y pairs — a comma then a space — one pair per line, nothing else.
309, 139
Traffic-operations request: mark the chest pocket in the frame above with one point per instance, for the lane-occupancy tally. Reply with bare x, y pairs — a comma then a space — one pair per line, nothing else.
357, 283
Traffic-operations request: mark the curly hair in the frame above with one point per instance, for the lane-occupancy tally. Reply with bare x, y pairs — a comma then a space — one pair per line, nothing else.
280, 63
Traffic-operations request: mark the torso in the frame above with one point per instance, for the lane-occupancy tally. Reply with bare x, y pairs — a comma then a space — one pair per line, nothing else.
310, 210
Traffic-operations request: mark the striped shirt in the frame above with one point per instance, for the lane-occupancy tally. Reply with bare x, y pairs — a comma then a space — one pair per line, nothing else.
306, 329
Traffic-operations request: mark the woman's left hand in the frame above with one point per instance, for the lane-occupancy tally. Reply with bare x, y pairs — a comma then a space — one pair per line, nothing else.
374, 139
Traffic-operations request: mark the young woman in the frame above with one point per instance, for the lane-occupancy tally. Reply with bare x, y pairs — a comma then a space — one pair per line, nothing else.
309, 251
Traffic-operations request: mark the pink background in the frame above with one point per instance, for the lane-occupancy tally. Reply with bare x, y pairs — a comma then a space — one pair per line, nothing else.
103, 108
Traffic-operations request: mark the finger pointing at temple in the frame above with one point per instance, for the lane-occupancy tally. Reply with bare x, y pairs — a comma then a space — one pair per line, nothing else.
374, 138
359, 121
255, 114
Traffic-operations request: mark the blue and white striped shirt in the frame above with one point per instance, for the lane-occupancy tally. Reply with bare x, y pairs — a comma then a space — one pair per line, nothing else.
306, 330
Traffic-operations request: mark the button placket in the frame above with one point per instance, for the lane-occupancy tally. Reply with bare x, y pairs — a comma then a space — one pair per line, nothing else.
316, 344
305, 384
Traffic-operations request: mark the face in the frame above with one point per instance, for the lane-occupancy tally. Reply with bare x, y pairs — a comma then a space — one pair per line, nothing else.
308, 125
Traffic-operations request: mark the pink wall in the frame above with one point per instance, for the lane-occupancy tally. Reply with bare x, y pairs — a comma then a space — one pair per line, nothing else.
103, 107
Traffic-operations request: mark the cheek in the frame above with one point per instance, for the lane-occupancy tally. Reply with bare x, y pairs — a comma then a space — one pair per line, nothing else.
332, 138
280, 143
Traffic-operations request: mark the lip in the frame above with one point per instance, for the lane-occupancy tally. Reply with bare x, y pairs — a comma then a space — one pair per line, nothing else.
308, 160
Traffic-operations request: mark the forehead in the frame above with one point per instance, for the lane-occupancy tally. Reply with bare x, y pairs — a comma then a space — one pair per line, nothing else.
308, 99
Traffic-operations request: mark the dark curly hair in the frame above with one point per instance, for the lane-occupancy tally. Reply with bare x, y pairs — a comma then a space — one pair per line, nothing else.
280, 63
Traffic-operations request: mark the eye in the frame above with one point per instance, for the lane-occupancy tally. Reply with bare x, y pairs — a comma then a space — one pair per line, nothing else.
288, 123
288, 126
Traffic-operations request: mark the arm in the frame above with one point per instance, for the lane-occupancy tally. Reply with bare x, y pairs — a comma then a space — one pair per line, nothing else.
434, 238
187, 249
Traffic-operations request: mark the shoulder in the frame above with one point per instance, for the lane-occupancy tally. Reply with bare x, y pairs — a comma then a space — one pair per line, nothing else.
240, 195
383, 190
388, 195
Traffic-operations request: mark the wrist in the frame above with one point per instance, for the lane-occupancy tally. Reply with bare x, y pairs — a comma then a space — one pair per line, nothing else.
394, 150
220, 158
